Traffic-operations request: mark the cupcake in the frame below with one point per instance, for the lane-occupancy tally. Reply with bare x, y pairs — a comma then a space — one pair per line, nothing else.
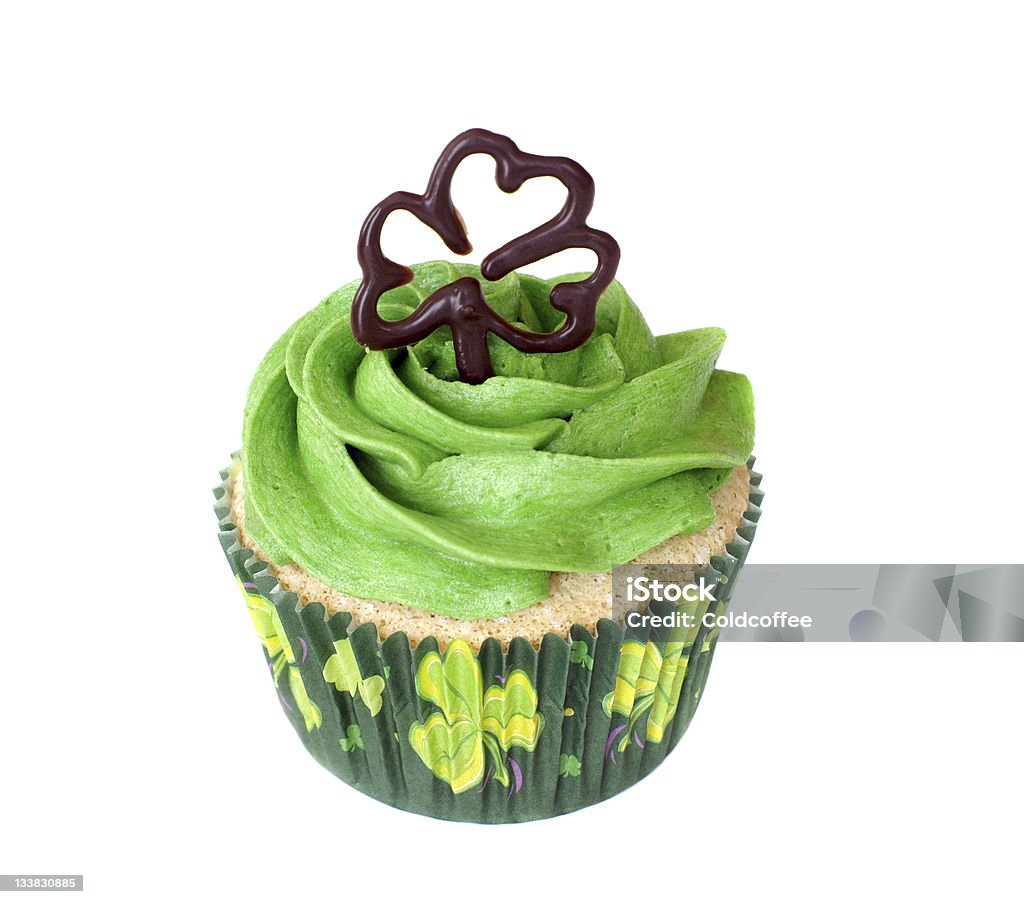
441, 469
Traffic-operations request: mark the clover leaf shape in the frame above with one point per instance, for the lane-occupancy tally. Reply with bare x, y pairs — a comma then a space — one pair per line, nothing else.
579, 653
474, 727
342, 670
569, 766
279, 651
460, 305
353, 739
647, 680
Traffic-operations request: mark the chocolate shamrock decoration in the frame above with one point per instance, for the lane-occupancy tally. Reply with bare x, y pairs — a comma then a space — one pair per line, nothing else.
460, 304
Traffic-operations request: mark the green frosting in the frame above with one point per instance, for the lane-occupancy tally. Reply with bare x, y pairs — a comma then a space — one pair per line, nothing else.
385, 477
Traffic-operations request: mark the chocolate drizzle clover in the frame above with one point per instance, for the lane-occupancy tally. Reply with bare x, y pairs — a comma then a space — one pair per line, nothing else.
460, 305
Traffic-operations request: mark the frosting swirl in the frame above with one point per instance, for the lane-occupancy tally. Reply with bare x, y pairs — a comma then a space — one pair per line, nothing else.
385, 477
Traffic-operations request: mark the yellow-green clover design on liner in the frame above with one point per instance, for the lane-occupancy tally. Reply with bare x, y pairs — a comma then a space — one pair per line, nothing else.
579, 653
569, 766
271, 633
474, 726
353, 739
647, 681
342, 671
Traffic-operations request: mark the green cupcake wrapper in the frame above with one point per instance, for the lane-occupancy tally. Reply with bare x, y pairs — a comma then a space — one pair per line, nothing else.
489, 738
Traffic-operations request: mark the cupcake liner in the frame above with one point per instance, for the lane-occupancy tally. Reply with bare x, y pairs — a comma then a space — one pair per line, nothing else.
492, 737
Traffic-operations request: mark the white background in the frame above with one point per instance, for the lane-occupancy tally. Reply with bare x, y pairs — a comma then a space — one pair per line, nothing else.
838, 185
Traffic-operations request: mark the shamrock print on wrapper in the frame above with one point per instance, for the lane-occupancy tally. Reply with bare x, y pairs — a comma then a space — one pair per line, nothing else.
579, 653
648, 681
342, 671
568, 765
474, 728
353, 739
271, 633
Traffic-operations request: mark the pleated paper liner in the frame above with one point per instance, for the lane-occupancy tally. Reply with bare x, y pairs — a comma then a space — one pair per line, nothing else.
494, 737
